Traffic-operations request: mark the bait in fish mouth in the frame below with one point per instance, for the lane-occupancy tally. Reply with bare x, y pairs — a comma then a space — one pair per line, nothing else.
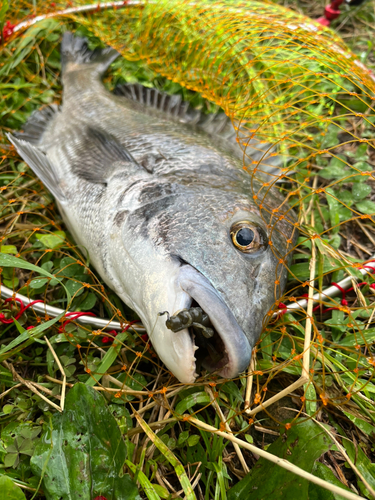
193, 317
157, 194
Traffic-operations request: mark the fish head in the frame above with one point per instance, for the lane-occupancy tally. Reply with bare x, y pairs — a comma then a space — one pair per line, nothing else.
219, 251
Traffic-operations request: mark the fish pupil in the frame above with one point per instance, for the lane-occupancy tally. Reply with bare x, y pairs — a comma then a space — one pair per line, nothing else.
245, 237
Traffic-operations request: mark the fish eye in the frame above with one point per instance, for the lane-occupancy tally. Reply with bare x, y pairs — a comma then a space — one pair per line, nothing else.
248, 236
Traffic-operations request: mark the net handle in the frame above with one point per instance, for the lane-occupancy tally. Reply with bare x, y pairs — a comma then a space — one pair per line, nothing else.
43, 308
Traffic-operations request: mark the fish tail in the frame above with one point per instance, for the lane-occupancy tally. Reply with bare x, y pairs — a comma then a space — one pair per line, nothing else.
75, 52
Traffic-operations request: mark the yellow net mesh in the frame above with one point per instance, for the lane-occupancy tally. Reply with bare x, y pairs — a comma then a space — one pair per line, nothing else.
279, 77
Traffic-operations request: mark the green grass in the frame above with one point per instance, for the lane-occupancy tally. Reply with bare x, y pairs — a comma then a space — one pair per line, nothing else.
341, 388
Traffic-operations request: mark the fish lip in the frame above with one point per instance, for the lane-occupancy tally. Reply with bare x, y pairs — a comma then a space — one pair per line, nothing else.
175, 349
237, 347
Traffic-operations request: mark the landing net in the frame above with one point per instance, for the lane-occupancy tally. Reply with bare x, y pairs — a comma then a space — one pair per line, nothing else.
280, 78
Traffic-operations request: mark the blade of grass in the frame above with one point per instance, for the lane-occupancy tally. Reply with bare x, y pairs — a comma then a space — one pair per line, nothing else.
26, 338
7, 260
172, 459
145, 483
108, 360
220, 490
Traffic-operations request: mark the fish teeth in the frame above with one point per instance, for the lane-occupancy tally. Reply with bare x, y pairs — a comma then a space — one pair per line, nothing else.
196, 375
196, 348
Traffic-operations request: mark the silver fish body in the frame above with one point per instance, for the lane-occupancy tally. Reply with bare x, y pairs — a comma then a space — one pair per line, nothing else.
154, 199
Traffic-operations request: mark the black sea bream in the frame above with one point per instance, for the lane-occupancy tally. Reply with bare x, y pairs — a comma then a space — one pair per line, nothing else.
158, 196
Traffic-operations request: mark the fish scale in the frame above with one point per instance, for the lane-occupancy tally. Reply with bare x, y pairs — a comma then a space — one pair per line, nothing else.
154, 192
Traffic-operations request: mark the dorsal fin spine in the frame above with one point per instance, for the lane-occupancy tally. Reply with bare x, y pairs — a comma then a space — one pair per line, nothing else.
214, 124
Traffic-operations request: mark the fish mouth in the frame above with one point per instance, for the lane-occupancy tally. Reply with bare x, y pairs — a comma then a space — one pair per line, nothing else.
228, 351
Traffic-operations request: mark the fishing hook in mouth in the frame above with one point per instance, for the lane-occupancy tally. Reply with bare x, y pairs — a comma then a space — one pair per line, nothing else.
194, 317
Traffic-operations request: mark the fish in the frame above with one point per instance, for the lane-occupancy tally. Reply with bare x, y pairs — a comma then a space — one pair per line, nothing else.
158, 195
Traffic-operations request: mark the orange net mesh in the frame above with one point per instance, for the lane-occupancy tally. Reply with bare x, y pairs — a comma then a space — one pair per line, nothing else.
279, 77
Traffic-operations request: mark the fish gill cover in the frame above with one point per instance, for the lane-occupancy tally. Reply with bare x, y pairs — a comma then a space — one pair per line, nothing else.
281, 79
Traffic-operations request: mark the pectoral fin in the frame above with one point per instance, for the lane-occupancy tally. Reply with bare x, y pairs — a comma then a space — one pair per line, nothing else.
41, 166
96, 156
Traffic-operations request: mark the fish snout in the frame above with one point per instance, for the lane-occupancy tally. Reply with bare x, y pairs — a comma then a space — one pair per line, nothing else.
227, 351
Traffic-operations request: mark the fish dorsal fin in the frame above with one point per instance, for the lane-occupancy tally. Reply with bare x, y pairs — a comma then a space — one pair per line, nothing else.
40, 164
216, 125
172, 105
95, 155
37, 124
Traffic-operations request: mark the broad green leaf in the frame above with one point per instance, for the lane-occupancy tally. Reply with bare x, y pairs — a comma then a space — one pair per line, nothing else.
310, 395
231, 388
364, 426
264, 365
11, 460
68, 263
7, 409
363, 464
305, 443
363, 166
360, 154
82, 454
346, 197
47, 266
26, 447
162, 492
334, 172
344, 215
135, 381
293, 323
16, 429
360, 191
360, 338
11, 283
301, 271
192, 400
266, 347
88, 302
193, 440
366, 207
9, 249
317, 492
9, 491
74, 288
336, 169
182, 437
38, 283
52, 241
354, 104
